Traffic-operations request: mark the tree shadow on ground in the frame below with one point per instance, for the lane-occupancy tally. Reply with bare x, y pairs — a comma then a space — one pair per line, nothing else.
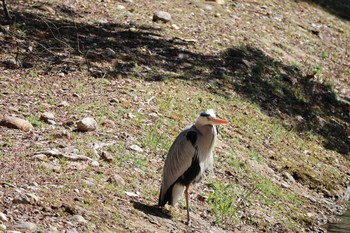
340, 8
283, 92
51, 46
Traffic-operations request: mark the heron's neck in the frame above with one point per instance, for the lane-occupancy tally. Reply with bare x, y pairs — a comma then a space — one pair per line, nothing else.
205, 129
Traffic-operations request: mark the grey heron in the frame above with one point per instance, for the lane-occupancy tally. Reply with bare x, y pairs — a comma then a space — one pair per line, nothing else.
190, 155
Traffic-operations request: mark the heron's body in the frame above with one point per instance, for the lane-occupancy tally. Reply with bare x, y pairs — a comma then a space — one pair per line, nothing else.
188, 158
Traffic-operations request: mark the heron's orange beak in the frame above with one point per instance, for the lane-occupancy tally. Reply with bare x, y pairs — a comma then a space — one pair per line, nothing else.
220, 121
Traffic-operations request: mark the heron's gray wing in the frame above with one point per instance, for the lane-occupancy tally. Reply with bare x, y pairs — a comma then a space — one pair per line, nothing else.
179, 158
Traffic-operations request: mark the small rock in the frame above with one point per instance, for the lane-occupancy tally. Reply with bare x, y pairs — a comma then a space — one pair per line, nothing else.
220, 2
88, 182
26, 226
208, 7
52, 229
136, 148
289, 177
46, 116
120, 7
77, 166
62, 134
73, 230
40, 157
175, 26
16, 123
14, 63
3, 227
28, 198
117, 179
3, 217
114, 100
108, 123
299, 118
95, 163
78, 218
70, 150
50, 167
86, 124
110, 52
45, 106
63, 104
79, 199
161, 16
51, 122
285, 184
131, 194
107, 156
13, 109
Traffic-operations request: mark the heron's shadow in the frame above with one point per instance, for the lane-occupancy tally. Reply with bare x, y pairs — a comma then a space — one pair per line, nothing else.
151, 209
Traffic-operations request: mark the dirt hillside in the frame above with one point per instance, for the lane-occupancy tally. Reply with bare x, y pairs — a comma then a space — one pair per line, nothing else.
93, 93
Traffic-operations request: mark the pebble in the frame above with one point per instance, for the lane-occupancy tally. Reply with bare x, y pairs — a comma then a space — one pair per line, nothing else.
26, 226
3, 227
108, 123
73, 230
3, 217
63, 104
87, 124
136, 148
45, 106
88, 182
208, 7
78, 218
220, 2
40, 157
16, 123
120, 7
161, 16
95, 163
52, 229
117, 179
47, 116
107, 156
50, 167
175, 26
62, 134
289, 177
110, 52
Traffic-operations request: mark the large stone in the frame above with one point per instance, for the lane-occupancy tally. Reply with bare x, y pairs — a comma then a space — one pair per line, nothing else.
16, 123
162, 16
87, 124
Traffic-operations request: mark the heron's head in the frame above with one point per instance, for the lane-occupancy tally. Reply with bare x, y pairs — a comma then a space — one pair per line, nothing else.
208, 117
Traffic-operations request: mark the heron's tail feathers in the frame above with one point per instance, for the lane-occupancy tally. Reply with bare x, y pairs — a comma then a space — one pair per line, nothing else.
172, 195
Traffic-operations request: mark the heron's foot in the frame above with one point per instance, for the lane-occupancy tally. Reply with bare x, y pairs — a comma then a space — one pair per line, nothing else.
189, 222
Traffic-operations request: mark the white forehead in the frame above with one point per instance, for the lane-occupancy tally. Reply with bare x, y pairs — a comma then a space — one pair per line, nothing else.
209, 112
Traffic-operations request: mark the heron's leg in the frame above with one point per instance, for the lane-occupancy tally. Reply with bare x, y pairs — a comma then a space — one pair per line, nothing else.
187, 207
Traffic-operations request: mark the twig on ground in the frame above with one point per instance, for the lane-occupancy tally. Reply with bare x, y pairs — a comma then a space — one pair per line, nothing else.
6, 11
